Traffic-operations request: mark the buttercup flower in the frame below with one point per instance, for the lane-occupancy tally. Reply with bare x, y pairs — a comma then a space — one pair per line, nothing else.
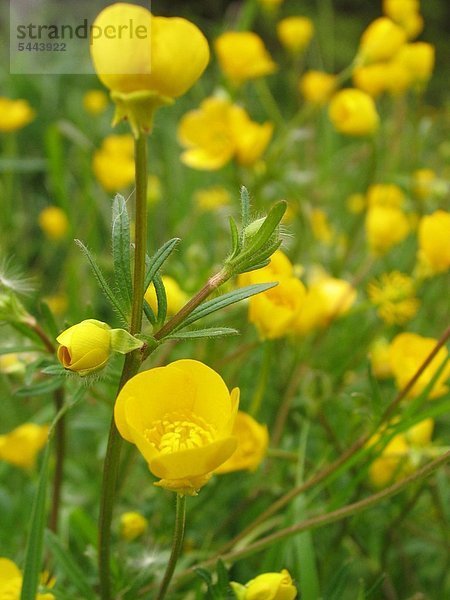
11, 582
252, 441
21, 446
14, 114
406, 14
353, 112
132, 525
176, 298
181, 419
434, 242
295, 33
317, 87
386, 227
394, 296
219, 131
408, 351
379, 356
268, 586
381, 40
95, 102
151, 68
243, 56
385, 194
54, 222
371, 78
418, 60
113, 163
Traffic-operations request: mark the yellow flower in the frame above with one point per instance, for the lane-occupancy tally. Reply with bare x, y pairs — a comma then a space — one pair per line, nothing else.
279, 266
242, 56
57, 303
11, 582
418, 60
317, 87
397, 10
113, 163
218, 131
379, 356
356, 203
11, 364
273, 312
85, 347
148, 62
176, 298
386, 227
95, 102
385, 194
183, 427
423, 181
320, 225
421, 433
268, 586
132, 525
434, 242
295, 33
353, 112
252, 441
407, 353
326, 299
412, 25
381, 41
20, 446
394, 296
370, 78
53, 222
14, 114
212, 198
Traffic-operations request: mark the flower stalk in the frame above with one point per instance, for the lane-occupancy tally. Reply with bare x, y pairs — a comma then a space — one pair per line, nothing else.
178, 535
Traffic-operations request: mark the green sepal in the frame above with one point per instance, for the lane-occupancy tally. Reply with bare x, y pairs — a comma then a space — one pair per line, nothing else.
123, 342
138, 108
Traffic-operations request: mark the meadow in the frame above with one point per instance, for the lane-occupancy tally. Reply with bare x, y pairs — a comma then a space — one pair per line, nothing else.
224, 309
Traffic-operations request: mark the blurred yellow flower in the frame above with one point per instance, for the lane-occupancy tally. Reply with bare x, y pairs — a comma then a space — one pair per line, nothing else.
11, 582
423, 183
434, 242
268, 586
85, 347
212, 198
353, 112
243, 56
11, 364
413, 25
95, 102
252, 441
407, 353
274, 312
406, 14
113, 163
132, 525
386, 226
160, 62
219, 131
418, 60
370, 78
57, 303
270, 4
14, 114
317, 87
154, 189
385, 194
176, 297
356, 203
381, 41
320, 225
394, 296
379, 356
21, 446
54, 222
183, 428
295, 33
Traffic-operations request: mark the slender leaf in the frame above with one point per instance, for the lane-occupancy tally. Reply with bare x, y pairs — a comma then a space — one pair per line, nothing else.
35, 543
110, 295
209, 332
245, 207
158, 259
121, 244
161, 297
149, 312
43, 387
54, 370
67, 565
235, 241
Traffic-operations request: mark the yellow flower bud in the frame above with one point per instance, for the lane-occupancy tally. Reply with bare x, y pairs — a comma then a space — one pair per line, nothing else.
95, 102
53, 222
184, 427
20, 446
252, 441
386, 226
132, 525
176, 298
371, 78
148, 62
418, 60
113, 163
295, 33
434, 242
268, 586
317, 87
85, 347
397, 10
242, 56
413, 25
353, 112
14, 114
381, 40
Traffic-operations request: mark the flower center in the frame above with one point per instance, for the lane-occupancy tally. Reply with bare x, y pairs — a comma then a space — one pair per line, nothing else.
178, 431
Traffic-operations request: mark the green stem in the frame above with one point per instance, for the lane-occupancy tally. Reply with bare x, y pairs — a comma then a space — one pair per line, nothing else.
269, 103
130, 368
180, 520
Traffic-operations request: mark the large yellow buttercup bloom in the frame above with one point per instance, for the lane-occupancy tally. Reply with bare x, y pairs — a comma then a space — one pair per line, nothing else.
267, 586
434, 242
21, 446
153, 61
14, 114
243, 56
353, 112
181, 418
11, 582
381, 41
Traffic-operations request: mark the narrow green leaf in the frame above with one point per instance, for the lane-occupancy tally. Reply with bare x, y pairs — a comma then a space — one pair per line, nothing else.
54, 370
110, 295
161, 297
121, 245
235, 241
268, 227
209, 332
149, 312
43, 387
35, 543
245, 207
225, 300
67, 565
158, 259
